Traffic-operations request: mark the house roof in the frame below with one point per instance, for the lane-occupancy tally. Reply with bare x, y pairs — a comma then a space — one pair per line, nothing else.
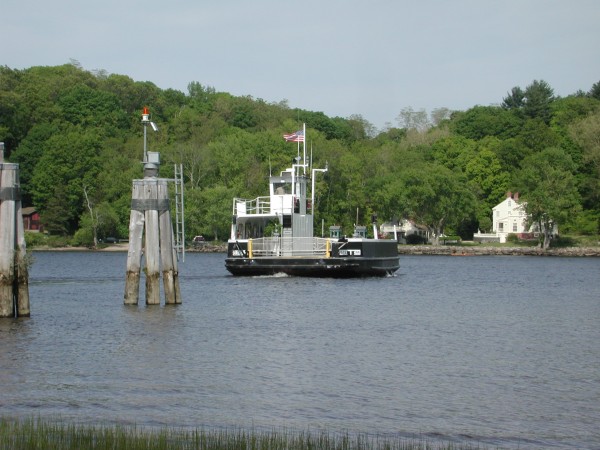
28, 211
517, 203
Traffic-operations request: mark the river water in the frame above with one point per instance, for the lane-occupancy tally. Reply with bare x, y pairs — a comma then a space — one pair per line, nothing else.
498, 351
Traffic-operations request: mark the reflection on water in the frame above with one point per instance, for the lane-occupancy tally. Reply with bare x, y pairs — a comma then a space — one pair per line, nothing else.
500, 351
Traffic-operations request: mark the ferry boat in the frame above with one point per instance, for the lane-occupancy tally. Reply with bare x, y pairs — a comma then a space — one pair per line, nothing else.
274, 234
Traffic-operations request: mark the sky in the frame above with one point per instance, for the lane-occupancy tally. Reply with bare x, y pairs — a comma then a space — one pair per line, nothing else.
342, 57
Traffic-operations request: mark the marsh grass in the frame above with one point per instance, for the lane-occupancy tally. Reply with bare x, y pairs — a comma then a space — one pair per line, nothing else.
54, 435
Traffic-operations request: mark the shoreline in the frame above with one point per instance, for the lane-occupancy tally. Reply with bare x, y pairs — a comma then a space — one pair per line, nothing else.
438, 250
452, 250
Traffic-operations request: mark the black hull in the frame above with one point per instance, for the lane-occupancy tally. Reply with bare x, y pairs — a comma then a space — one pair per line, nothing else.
313, 267
378, 259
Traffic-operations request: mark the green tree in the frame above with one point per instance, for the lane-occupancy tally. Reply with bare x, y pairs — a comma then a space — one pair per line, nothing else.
410, 119
243, 113
347, 187
537, 135
185, 125
69, 128
538, 100
487, 180
56, 216
108, 221
549, 190
208, 212
332, 128
14, 112
29, 152
201, 97
595, 91
511, 152
440, 115
42, 87
70, 161
123, 88
570, 109
515, 99
481, 121
83, 105
454, 152
586, 133
436, 197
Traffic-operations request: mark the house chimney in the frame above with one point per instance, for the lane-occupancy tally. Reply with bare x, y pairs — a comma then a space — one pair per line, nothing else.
516, 197
509, 194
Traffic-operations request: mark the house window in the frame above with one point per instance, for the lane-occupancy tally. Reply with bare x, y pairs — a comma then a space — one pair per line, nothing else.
509, 203
501, 226
515, 227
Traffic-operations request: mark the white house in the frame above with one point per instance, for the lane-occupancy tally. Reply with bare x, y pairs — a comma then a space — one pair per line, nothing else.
508, 217
400, 230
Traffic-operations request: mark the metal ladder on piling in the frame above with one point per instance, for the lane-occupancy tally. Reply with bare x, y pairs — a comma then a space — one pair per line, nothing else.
179, 243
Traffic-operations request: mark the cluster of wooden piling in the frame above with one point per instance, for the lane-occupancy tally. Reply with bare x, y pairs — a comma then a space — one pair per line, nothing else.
14, 279
150, 211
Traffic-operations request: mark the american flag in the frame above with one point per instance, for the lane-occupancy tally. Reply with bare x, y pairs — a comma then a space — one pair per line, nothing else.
298, 136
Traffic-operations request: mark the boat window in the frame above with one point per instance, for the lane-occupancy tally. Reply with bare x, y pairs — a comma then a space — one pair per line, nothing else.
287, 221
282, 188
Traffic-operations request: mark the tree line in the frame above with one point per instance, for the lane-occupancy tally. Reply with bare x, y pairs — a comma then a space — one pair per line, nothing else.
78, 139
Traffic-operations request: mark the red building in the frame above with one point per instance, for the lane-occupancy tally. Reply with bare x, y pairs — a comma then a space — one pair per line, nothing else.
31, 219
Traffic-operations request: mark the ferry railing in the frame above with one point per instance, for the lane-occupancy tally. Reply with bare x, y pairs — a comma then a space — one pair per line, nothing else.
286, 246
258, 205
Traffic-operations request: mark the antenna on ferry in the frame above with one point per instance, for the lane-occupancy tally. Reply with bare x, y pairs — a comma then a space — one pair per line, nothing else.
312, 187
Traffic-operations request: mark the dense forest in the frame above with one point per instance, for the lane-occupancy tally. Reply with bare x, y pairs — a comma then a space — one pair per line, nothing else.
77, 137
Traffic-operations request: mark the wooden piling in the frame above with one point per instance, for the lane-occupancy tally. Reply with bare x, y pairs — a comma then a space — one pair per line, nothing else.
151, 219
14, 291
7, 240
152, 247
167, 250
134, 255
22, 269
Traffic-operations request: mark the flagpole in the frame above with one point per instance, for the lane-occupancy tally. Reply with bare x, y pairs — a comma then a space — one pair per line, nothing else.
310, 163
304, 146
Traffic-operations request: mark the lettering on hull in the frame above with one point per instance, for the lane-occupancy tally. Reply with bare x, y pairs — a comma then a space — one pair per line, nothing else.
350, 252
